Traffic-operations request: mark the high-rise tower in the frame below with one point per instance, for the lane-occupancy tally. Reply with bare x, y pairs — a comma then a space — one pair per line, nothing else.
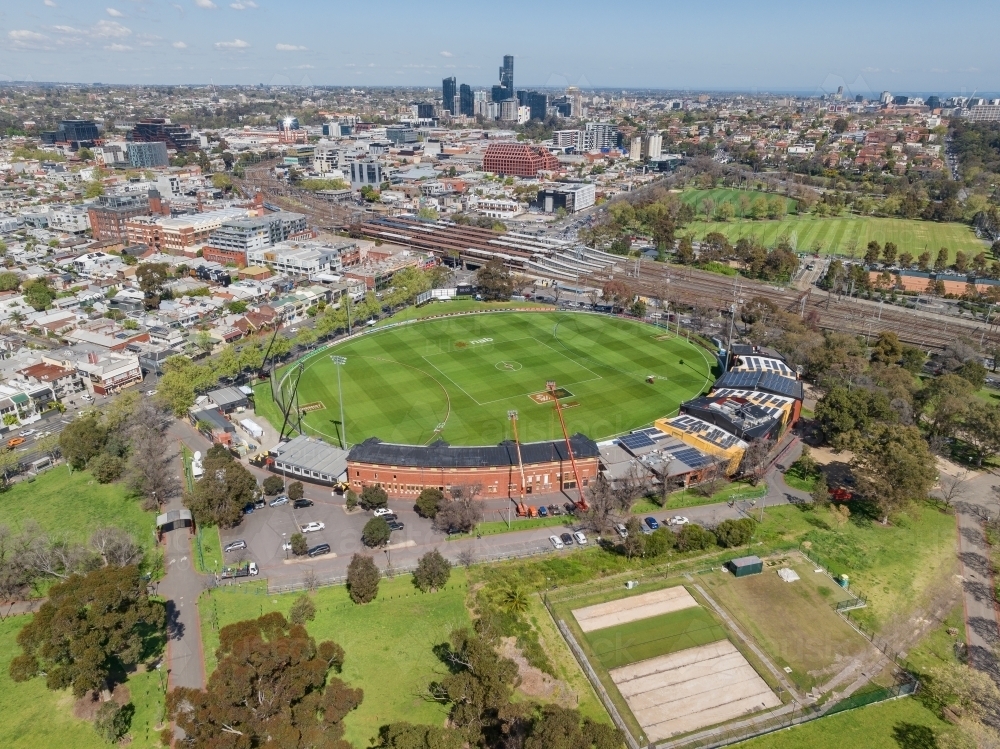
507, 76
448, 89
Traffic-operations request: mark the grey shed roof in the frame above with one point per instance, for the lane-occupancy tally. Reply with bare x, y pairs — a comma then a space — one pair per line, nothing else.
225, 397
767, 382
745, 561
172, 516
312, 454
442, 455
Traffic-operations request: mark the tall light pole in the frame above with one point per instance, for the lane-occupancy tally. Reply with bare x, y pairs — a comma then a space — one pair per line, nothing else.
341, 361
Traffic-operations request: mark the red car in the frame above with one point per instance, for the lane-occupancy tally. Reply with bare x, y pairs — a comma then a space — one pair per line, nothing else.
840, 495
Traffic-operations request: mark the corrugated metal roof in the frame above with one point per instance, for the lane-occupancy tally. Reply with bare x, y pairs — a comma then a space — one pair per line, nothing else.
442, 455
311, 454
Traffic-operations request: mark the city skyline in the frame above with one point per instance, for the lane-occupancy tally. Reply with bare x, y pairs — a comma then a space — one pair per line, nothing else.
788, 49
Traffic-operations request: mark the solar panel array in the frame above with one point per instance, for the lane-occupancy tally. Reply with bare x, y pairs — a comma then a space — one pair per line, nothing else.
692, 457
706, 431
636, 441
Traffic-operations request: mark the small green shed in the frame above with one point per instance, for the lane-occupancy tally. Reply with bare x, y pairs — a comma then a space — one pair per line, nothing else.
744, 566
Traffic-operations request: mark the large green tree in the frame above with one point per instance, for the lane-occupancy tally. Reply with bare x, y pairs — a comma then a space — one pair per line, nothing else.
82, 440
842, 413
893, 467
274, 686
221, 494
494, 281
91, 627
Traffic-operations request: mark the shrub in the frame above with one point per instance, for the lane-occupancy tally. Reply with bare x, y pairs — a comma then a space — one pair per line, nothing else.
373, 497
376, 532
362, 578
295, 490
351, 499
658, 542
273, 485
693, 537
432, 572
106, 468
303, 610
113, 721
429, 502
299, 544
732, 533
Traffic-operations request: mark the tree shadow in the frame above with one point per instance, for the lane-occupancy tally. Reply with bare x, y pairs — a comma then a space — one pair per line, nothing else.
175, 627
913, 736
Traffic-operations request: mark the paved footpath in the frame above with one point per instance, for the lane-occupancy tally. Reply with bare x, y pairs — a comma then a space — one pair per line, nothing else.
978, 589
181, 587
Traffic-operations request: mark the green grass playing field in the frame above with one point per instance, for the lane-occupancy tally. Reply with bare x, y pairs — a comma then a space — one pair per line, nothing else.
721, 195
834, 235
658, 635
457, 378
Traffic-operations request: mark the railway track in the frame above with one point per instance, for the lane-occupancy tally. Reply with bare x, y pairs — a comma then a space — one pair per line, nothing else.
859, 317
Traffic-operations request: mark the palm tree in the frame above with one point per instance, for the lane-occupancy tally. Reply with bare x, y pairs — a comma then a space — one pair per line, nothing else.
515, 599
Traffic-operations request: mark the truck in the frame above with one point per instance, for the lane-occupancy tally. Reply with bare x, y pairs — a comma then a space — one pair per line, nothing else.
247, 570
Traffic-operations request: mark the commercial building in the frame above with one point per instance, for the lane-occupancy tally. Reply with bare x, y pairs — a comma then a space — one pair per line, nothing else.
157, 129
110, 214
570, 197
425, 111
75, 132
507, 78
302, 258
231, 242
518, 159
654, 146
328, 156
406, 470
367, 172
466, 102
180, 233
148, 155
109, 372
448, 92
982, 113
399, 134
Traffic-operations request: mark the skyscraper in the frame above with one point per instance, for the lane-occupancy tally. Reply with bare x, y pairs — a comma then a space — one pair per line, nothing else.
466, 104
448, 90
507, 76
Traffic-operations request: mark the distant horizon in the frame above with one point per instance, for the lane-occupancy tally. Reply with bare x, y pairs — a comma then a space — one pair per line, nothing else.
728, 46
680, 92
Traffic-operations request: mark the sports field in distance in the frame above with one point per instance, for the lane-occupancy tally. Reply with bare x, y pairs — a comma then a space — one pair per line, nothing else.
457, 378
834, 235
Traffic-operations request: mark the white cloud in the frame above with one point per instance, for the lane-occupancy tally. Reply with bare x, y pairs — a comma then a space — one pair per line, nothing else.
235, 44
25, 39
118, 48
304, 67
179, 45
288, 48
206, 4
446, 53
111, 29
49, 3
67, 30
243, 5
114, 13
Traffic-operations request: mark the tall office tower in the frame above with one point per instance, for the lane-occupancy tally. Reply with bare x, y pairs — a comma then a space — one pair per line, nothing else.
507, 76
466, 104
654, 145
448, 90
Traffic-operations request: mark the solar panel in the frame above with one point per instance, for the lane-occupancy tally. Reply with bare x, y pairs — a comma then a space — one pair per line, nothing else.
636, 441
692, 457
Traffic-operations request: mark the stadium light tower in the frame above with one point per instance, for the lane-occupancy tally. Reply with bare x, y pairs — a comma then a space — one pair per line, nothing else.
341, 361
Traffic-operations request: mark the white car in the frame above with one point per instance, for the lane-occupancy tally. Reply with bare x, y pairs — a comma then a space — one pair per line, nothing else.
380, 511
556, 543
28, 432
150, 393
310, 527
579, 538
621, 530
679, 520
287, 546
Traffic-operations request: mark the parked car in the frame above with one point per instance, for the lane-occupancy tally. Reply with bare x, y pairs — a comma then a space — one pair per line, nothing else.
579, 538
302, 503
556, 543
248, 508
234, 546
554, 510
542, 511
395, 525
287, 546
567, 539
14, 442
318, 550
380, 511
679, 520
390, 517
260, 504
27, 432
621, 530
651, 522
312, 527
281, 499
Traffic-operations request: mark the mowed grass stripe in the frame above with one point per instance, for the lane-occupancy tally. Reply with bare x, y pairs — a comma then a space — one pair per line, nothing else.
391, 391
658, 635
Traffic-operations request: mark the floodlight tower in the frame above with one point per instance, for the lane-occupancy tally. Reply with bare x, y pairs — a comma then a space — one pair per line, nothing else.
551, 387
341, 361
512, 415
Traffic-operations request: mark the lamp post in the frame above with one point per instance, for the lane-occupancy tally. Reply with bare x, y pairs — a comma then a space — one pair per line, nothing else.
341, 361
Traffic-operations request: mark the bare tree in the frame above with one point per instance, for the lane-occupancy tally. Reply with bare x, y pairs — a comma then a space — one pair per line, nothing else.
593, 296
458, 515
755, 460
116, 547
466, 558
952, 488
607, 502
556, 291
50, 557
310, 580
521, 283
150, 470
712, 479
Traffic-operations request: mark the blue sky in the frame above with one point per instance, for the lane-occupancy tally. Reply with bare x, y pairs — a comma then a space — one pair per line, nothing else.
870, 46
